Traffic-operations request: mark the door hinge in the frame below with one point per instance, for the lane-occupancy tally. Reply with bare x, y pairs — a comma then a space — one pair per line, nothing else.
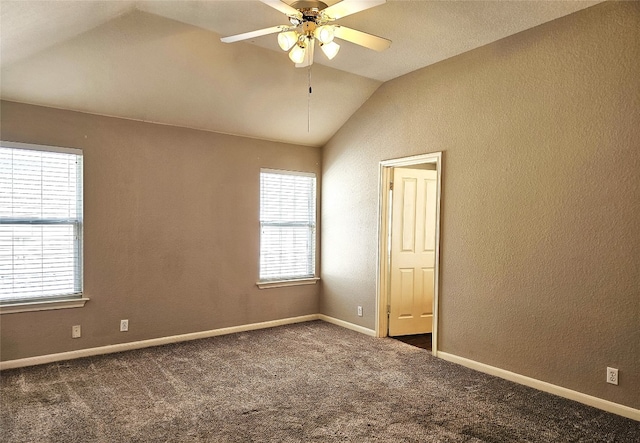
390, 186
388, 310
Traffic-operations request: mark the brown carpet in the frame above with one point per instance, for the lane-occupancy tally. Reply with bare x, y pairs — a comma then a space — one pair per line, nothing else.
310, 382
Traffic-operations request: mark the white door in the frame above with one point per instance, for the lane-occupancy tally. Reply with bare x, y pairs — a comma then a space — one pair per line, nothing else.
413, 237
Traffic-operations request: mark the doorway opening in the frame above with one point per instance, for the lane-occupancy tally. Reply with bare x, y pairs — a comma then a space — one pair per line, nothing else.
408, 248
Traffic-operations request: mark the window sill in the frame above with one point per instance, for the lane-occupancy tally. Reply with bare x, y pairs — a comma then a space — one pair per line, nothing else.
283, 283
13, 308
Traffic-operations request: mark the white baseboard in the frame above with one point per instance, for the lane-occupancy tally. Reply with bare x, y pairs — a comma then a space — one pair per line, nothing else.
110, 349
596, 402
347, 325
70, 355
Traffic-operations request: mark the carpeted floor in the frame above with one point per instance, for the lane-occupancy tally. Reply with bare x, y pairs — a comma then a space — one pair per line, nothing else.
310, 382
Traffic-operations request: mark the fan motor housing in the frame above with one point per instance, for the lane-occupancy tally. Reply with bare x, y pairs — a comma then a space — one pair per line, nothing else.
309, 9
309, 4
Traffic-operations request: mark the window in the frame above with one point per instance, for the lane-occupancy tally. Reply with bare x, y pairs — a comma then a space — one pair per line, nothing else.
40, 223
287, 225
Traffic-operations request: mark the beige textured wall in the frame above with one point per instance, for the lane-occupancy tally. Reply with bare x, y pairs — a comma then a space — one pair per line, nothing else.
171, 235
540, 253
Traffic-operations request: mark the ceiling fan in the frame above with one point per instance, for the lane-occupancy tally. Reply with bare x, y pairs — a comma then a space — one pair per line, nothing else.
312, 20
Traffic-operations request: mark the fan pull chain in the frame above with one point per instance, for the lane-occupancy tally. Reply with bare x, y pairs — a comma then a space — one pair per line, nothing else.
309, 101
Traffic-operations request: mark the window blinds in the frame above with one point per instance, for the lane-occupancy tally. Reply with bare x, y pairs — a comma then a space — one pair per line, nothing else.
288, 225
40, 223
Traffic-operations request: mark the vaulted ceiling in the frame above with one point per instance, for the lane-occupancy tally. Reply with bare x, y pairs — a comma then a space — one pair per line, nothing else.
163, 61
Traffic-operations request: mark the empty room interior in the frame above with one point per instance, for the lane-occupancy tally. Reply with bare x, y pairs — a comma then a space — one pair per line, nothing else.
232, 208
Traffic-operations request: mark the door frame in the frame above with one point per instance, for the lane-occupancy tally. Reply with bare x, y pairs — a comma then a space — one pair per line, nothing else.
382, 277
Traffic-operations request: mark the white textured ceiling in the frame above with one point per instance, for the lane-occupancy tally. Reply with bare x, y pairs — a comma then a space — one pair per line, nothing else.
162, 61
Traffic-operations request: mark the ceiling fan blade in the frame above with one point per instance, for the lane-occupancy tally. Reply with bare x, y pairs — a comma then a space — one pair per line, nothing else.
283, 7
362, 38
252, 34
308, 55
348, 7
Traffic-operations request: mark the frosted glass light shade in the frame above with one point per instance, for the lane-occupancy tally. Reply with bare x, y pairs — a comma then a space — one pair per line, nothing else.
324, 33
297, 54
330, 49
286, 40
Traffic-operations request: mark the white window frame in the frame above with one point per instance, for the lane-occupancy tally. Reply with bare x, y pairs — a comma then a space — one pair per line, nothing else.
62, 301
308, 278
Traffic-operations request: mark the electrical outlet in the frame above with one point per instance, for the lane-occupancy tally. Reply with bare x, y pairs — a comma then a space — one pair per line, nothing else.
124, 325
359, 311
612, 376
75, 331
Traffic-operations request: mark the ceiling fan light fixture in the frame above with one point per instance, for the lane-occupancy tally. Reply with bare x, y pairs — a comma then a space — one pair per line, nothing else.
287, 39
324, 34
297, 53
311, 21
330, 49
